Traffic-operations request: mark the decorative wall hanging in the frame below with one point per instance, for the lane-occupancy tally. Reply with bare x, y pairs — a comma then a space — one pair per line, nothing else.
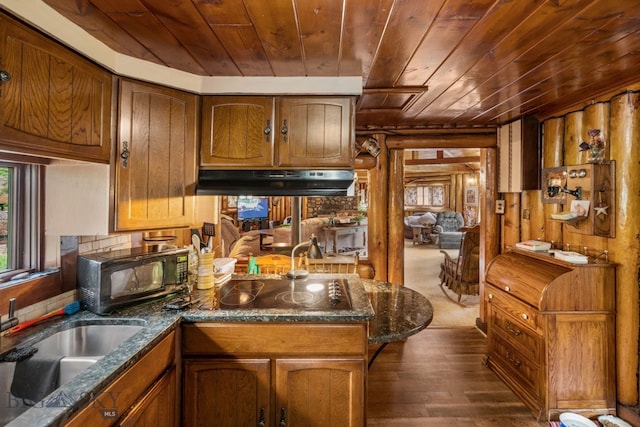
595, 147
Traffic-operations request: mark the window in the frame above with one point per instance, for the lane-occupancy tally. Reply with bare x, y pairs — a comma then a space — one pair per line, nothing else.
424, 195
20, 231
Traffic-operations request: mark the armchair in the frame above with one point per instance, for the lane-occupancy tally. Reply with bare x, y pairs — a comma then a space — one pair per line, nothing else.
462, 274
448, 225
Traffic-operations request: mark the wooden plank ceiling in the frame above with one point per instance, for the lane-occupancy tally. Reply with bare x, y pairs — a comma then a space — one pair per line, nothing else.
425, 64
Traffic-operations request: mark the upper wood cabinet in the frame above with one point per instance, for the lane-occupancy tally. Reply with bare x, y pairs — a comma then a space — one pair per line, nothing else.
237, 131
156, 159
55, 103
292, 132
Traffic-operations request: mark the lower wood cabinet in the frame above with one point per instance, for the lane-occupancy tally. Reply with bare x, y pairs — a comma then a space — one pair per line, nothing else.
268, 374
144, 395
157, 407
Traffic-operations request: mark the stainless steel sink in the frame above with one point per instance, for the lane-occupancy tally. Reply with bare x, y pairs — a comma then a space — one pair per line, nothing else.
80, 346
83, 346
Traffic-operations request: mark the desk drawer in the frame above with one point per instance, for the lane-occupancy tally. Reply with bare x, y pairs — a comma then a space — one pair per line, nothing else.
511, 330
527, 315
513, 361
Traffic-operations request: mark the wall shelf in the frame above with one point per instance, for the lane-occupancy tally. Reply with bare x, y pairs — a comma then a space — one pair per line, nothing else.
596, 182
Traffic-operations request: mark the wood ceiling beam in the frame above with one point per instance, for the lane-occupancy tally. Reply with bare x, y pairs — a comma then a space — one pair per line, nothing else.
393, 90
418, 131
442, 141
442, 160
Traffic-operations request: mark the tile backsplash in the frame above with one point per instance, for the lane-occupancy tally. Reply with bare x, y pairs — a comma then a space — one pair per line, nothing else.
96, 244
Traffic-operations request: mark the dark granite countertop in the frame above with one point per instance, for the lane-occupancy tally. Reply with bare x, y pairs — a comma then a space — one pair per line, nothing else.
157, 323
393, 312
400, 311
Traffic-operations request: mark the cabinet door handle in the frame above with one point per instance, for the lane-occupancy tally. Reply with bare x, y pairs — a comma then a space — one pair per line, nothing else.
261, 420
4, 76
267, 130
283, 418
513, 360
284, 130
124, 155
514, 331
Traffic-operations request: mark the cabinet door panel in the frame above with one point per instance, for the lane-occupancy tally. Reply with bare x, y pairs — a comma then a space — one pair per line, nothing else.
156, 182
56, 103
320, 132
332, 388
233, 131
157, 408
226, 392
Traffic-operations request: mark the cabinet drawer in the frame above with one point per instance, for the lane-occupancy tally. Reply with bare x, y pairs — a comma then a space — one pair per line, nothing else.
515, 333
274, 339
528, 315
513, 361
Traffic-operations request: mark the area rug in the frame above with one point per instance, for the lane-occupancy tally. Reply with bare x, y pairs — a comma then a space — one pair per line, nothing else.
421, 270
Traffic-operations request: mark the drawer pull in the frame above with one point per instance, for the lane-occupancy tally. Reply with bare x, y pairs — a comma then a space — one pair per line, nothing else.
525, 316
490, 296
515, 362
514, 331
507, 289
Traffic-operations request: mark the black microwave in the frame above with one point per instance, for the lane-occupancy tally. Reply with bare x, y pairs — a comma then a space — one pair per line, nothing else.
111, 280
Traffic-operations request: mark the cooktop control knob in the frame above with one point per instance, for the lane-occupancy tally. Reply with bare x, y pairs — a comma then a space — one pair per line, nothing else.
334, 292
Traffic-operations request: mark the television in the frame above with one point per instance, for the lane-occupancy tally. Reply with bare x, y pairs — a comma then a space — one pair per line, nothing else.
253, 208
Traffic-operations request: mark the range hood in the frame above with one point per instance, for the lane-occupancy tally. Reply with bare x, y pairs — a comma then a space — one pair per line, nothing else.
319, 182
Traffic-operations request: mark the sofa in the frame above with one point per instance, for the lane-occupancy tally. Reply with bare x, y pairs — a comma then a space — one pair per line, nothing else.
448, 228
234, 244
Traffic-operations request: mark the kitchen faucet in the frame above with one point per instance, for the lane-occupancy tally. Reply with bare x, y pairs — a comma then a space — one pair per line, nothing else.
12, 320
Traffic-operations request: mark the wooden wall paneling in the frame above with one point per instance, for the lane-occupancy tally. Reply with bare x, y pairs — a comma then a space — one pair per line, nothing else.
537, 219
377, 242
511, 219
573, 136
552, 156
624, 250
396, 217
525, 216
490, 231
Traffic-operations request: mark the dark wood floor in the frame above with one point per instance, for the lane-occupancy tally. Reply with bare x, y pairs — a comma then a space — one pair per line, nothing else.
436, 378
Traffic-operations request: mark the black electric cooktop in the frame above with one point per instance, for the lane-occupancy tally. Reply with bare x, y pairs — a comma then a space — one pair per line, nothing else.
305, 294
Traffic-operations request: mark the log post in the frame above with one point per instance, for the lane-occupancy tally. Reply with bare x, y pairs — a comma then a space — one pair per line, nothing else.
490, 231
377, 241
395, 263
624, 249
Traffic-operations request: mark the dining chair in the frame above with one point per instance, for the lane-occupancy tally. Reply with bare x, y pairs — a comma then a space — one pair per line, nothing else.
273, 264
331, 263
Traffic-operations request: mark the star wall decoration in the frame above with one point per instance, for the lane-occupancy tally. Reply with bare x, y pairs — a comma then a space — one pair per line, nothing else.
602, 210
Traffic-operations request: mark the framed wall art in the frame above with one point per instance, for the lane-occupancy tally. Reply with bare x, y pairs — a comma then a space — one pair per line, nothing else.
471, 196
